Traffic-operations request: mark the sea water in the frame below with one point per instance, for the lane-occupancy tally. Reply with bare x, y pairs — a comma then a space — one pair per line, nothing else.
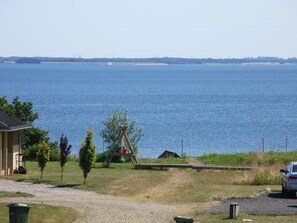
191, 109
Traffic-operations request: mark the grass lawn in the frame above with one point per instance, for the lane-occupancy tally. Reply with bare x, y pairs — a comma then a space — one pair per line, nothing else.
179, 186
187, 189
43, 214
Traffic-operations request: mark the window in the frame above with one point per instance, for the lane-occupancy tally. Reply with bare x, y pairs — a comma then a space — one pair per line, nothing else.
294, 169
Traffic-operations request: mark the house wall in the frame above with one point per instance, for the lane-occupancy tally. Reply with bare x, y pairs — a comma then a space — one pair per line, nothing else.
16, 149
4, 152
9, 150
1, 151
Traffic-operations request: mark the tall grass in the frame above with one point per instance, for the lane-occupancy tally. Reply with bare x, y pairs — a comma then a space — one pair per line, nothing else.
260, 176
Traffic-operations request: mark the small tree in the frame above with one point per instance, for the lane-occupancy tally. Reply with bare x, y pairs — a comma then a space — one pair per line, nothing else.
42, 154
111, 128
87, 154
65, 150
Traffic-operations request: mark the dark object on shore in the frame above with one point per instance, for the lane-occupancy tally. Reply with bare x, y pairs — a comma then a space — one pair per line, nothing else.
167, 154
183, 219
21, 170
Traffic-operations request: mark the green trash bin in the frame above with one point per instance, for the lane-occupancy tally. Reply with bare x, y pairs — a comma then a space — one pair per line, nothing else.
18, 213
183, 219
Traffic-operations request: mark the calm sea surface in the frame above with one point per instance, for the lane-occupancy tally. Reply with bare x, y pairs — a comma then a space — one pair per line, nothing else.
221, 109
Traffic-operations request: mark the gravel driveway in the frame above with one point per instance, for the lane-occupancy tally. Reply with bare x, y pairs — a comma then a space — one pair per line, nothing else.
267, 203
92, 207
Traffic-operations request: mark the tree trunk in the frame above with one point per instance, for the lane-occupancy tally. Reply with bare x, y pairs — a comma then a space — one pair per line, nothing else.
62, 172
41, 173
85, 177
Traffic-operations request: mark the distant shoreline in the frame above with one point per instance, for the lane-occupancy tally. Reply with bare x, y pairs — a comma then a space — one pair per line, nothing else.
164, 61
156, 64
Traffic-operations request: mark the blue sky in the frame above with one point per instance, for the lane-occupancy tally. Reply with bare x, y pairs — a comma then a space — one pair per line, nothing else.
148, 28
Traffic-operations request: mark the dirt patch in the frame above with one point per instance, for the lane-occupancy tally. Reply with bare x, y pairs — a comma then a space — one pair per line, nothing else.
166, 189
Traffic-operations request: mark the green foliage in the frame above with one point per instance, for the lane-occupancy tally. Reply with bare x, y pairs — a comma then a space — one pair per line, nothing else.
23, 111
111, 128
87, 154
55, 151
33, 136
65, 150
30, 152
42, 155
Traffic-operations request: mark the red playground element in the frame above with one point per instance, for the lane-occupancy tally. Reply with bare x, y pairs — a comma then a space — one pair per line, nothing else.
123, 151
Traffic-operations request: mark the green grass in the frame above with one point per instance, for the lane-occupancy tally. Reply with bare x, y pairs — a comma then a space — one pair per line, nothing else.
249, 159
43, 214
182, 188
12, 194
177, 186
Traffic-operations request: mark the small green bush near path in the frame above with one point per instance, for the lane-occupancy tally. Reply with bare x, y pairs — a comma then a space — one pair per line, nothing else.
43, 213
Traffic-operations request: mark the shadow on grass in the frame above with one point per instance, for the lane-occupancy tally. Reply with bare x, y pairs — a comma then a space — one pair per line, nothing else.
40, 181
68, 185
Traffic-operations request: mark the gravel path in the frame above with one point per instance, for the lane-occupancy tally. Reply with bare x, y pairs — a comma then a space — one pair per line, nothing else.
267, 203
91, 206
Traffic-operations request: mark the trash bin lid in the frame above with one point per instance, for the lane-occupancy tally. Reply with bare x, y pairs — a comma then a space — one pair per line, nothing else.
18, 205
183, 218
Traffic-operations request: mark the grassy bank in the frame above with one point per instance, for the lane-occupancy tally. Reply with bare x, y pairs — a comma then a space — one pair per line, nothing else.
249, 159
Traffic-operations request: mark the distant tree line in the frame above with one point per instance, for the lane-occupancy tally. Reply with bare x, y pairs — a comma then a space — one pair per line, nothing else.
27, 60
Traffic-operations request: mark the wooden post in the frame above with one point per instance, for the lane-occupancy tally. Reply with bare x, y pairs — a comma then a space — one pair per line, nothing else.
134, 159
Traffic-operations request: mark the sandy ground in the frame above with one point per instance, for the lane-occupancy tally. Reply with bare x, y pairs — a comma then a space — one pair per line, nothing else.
91, 206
